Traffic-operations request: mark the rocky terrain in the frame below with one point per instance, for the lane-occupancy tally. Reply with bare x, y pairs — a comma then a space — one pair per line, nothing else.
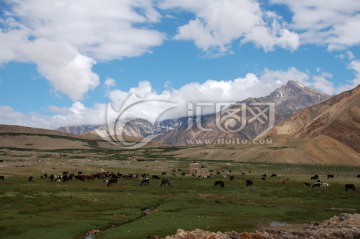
344, 226
337, 118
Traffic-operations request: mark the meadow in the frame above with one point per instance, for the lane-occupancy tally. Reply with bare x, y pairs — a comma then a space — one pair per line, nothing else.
45, 209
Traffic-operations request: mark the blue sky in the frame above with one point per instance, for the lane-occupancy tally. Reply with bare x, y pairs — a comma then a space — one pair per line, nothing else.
61, 62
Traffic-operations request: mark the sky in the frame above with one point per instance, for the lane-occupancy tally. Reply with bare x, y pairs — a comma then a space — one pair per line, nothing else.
65, 62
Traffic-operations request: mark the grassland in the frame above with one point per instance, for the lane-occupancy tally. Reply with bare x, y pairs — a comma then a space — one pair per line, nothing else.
44, 209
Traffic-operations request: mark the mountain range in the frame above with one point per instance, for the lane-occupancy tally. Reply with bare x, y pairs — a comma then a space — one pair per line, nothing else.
325, 133
286, 100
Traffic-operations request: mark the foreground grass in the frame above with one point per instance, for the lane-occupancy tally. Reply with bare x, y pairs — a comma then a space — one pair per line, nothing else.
44, 209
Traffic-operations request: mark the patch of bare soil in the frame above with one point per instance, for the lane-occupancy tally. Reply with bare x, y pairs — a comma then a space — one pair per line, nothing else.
344, 226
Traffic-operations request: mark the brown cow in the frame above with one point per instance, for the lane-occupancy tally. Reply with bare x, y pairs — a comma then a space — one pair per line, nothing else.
89, 177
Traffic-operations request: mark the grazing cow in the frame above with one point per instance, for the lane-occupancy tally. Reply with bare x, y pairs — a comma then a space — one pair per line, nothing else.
145, 182
273, 175
89, 177
183, 174
330, 176
112, 181
325, 185
220, 184
358, 176
155, 177
350, 186
249, 183
316, 185
264, 175
165, 182
52, 177
284, 182
307, 184
2, 177
232, 177
163, 173
263, 178
30, 178
243, 173
315, 177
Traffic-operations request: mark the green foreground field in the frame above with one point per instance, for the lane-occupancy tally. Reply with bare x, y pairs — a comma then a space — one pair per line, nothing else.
44, 209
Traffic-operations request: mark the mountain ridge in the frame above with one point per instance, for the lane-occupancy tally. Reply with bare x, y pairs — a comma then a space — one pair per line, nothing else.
338, 118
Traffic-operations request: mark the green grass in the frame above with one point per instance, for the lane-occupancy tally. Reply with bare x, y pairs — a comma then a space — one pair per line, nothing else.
44, 209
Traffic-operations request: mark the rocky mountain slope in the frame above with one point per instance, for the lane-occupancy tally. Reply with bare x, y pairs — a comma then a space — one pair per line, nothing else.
286, 100
337, 118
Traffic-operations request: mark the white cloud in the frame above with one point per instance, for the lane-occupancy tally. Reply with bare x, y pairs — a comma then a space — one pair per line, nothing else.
219, 23
327, 22
97, 29
321, 83
281, 77
65, 39
109, 83
355, 66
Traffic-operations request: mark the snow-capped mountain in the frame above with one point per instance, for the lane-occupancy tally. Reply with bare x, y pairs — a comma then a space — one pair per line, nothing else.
288, 99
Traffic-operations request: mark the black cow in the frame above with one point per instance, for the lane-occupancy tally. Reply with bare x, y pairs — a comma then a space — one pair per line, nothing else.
155, 177
249, 183
30, 178
2, 177
145, 182
358, 176
330, 176
316, 185
307, 184
112, 181
273, 175
165, 182
163, 173
219, 184
232, 177
315, 177
349, 186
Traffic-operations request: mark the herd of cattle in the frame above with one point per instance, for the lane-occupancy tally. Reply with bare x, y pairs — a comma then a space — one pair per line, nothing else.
113, 178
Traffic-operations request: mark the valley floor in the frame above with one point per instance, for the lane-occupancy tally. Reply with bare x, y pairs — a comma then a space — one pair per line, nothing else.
72, 209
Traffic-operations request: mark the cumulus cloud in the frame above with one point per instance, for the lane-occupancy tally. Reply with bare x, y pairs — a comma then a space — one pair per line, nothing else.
65, 39
218, 24
322, 83
109, 83
326, 22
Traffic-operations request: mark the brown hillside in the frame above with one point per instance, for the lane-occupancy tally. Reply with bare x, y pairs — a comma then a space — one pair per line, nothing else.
337, 118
